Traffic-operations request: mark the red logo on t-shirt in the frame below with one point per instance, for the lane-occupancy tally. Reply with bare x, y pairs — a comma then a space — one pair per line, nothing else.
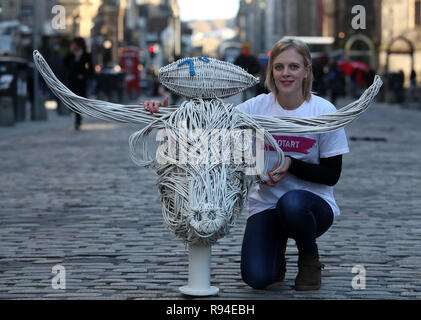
293, 144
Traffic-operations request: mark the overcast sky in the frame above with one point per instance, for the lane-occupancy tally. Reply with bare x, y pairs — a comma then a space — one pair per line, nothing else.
207, 9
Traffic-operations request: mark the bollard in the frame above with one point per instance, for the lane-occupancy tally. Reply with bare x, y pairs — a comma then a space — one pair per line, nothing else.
114, 96
199, 272
123, 96
40, 112
62, 110
7, 113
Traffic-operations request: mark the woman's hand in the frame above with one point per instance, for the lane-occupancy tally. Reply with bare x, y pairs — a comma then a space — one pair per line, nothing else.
153, 106
273, 180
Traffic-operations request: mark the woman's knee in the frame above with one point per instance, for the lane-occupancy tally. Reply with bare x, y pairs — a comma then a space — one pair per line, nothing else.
255, 278
292, 203
294, 213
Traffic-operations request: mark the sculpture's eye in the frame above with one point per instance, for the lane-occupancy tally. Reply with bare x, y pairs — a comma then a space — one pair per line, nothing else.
191, 63
204, 59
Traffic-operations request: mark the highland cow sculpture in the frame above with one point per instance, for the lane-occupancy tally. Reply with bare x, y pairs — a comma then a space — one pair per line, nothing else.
202, 163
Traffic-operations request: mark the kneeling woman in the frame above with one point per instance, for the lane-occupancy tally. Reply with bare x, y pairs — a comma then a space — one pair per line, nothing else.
299, 203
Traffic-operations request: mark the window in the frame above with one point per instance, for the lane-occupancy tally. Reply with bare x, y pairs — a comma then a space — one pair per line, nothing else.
418, 13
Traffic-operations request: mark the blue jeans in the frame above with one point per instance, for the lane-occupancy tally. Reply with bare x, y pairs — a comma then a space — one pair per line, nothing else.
299, 214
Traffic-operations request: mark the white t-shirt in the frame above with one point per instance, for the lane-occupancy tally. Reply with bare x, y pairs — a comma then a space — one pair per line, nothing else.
305, 147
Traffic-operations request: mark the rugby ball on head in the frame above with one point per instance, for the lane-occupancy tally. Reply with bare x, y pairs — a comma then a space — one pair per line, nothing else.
205, 78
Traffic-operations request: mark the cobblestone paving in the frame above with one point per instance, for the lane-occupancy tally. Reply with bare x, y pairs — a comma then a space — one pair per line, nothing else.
76, 199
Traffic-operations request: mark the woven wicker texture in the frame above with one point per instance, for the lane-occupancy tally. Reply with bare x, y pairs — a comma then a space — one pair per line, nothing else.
205, 78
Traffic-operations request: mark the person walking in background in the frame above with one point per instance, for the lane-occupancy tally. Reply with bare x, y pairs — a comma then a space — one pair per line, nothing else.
78, 69
249, 63
335, 82
400, 92
319, 78
369, 77
358, 78
56, 65
413, 86
413, 79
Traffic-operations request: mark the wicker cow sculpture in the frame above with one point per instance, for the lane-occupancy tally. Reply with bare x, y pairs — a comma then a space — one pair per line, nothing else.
202, 185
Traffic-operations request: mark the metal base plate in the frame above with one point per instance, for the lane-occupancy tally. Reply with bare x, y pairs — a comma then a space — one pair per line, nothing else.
211, 291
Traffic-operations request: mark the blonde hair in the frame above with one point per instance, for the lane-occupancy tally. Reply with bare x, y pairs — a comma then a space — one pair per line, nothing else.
304, 51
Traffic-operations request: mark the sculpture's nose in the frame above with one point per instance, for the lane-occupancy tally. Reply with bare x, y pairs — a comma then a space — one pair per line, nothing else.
207, 218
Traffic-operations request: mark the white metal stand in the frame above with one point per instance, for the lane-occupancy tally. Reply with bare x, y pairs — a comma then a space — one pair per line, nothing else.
199, 272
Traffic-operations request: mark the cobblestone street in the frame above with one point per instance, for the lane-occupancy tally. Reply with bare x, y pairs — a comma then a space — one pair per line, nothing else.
75, 198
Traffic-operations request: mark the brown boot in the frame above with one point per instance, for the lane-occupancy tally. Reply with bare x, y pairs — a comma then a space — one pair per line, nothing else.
309, 272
